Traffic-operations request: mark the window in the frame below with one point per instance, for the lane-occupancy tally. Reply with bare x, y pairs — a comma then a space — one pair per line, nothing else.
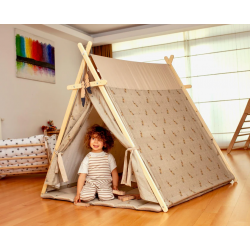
215, 61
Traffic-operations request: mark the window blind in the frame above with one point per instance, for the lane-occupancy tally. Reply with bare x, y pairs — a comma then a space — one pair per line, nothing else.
215, 61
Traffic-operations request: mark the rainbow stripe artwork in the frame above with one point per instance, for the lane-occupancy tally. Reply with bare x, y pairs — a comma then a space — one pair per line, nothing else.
35, 57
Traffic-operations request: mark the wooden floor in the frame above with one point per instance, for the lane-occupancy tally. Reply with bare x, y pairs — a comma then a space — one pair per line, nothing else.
20, 204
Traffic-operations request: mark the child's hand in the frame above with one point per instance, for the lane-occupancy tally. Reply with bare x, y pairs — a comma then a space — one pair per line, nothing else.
115, 188
77, 198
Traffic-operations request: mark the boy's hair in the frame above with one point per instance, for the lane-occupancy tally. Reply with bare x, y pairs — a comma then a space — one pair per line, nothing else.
101, 132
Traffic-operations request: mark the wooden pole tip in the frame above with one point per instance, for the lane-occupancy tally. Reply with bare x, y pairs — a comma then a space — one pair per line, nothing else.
89, 43
169, 60
166, 58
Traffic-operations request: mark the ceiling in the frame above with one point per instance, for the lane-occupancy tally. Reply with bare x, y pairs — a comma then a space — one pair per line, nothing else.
100, 28
100, 34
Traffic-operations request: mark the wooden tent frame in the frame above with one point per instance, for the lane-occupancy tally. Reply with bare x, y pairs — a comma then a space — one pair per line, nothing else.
100, 84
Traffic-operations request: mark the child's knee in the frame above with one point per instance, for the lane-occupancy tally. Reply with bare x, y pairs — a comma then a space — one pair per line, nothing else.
87, 197
87, 193
105, 195
106, 198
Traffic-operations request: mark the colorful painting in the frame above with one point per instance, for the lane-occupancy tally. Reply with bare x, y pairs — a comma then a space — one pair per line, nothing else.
35, 57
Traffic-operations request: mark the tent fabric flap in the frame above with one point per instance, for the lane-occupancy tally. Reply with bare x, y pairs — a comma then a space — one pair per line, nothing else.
77, 118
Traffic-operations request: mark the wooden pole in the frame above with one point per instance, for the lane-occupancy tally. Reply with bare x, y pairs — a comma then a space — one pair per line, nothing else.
123, 129
28, 172
21, 167
169, 63
69, 108
92, 84
22, 145
23, 157
247, 143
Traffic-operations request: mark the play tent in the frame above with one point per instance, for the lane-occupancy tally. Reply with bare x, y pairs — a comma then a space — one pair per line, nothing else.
173, 155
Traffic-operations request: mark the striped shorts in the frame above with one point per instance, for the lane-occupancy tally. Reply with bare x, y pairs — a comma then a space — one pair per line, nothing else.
102, 187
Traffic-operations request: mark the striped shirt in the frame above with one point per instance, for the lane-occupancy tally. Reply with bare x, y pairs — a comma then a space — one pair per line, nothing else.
98, 165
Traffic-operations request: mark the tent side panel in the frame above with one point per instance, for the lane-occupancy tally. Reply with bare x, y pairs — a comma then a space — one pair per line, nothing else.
78, 117
176, 147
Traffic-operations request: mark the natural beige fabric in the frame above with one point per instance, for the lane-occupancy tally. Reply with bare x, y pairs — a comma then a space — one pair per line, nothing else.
78, 116
127, 167
176, 148
68, 194
135, 75
106, 115
75, 153
51, 142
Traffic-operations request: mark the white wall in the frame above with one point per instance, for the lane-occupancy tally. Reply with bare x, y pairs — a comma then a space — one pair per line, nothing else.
26, 105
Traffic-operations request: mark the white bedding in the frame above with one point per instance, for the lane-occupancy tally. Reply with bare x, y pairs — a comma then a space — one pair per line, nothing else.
51, 142
23, 151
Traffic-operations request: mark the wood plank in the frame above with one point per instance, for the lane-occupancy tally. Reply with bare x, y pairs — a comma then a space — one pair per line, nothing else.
205, 219
241, 212
239, 127
24, 172
222, 216
98, 83
92, 84
241, 147
247, 143
240, 141
82, 204
23, 145
75, 86
23, 157
21, 167
184, 217
243, 135
225, 196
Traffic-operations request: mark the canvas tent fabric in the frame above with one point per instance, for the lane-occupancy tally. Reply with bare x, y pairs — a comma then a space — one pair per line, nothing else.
134, 75
50, 142
176, 149
68, 194
172, 141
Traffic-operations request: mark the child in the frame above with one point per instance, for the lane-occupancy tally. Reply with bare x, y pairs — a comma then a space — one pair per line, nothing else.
97, 167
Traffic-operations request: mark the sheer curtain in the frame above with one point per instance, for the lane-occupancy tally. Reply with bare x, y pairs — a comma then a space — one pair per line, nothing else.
215, 61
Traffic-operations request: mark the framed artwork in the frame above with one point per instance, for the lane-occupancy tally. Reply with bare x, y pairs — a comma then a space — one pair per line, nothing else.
35, 57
